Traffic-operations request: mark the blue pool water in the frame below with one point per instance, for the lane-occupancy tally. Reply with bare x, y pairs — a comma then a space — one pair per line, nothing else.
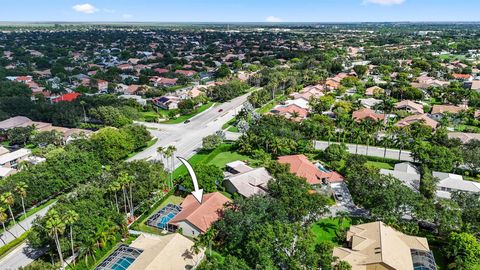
164, 220
123, 264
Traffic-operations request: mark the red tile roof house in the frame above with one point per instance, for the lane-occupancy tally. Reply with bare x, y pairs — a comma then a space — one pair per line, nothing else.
374, 90
196, 218
409, 106
417, 118
302, 167
462, 77
67, 97
188, 73
366, 113
161, 70
290, 111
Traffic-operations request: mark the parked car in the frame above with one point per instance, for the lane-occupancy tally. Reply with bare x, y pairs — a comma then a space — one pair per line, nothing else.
186, 121
338, 197
221, 110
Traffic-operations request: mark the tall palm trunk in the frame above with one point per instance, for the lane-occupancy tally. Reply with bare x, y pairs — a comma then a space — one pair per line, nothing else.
116, 201
11, 214
23, 206
131, 201
71, 243
125, 201
57, 242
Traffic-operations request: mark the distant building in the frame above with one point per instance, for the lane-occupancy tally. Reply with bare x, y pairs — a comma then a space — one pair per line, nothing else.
302, 167
409, 106
364, 114
167, 102
422, 118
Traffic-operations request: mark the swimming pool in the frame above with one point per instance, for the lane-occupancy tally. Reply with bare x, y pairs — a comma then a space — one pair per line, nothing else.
123, 263
164, 220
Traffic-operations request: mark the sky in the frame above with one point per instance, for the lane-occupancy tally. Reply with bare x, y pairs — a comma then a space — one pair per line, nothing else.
239, 10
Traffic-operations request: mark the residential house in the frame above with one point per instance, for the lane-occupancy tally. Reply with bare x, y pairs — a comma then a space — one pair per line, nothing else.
250, 181
302, 167
407, 173
300, 102
422, 118
409, 106
167, 102
138, 99
374, 90
377, 246
292, 112
449, 182
69, 97
187, 73
101, 85
3, 150
464, 137
475, 86
438, 111
150, 252
369, 102
11, 160
195, 218
462, 77
161, 81
366, 113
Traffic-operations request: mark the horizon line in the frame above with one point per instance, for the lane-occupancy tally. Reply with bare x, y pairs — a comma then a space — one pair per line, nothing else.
238, 22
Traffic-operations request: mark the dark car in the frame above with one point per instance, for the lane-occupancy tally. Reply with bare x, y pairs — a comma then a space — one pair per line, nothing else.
221, 110
186, 121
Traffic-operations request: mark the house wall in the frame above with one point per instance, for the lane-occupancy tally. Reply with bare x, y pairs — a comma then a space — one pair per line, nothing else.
188, 229
229, 187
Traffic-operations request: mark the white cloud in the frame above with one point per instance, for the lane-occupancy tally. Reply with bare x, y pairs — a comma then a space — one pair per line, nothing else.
273, 19
85, 8
384, 2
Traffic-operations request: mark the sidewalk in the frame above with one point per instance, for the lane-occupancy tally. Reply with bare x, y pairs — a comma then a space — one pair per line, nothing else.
17, 230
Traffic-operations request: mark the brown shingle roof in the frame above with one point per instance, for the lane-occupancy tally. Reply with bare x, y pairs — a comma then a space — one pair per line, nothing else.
365, 113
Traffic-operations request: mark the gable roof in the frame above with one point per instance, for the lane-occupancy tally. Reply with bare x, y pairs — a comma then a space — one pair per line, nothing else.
367, 113
202, 215
440, 109
417, 118
302, 167
412, 105
15, 122
164, 252
250, 183
375, 243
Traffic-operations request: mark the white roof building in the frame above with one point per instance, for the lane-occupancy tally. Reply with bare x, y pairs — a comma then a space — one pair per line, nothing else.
407, 173
453, 182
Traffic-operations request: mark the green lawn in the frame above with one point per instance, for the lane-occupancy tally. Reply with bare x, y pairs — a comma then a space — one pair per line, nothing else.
267, 107
223, 158
380, 165
229, 123
233, 129
182, 118
325, 229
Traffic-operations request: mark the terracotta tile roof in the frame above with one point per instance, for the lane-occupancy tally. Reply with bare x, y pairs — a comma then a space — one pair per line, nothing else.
289, 110
302, 167
408, 104
439, 109
374, 90
417, 118
202, 215
67, 97
461, 76
366, 113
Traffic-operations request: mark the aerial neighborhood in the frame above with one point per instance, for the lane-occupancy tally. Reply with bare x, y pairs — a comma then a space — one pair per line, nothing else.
243, 146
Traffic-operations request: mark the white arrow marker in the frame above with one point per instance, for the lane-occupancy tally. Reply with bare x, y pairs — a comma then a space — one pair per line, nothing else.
197, 193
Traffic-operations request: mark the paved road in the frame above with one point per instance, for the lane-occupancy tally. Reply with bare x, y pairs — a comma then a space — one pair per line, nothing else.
372, 151
22, 255
187, 138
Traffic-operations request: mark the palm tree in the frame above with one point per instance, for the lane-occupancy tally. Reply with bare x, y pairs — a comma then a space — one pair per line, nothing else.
21, 190
123, 179
114, 188
8, 199
3, 218
70, 218
83, 103
55, 227
170, 152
